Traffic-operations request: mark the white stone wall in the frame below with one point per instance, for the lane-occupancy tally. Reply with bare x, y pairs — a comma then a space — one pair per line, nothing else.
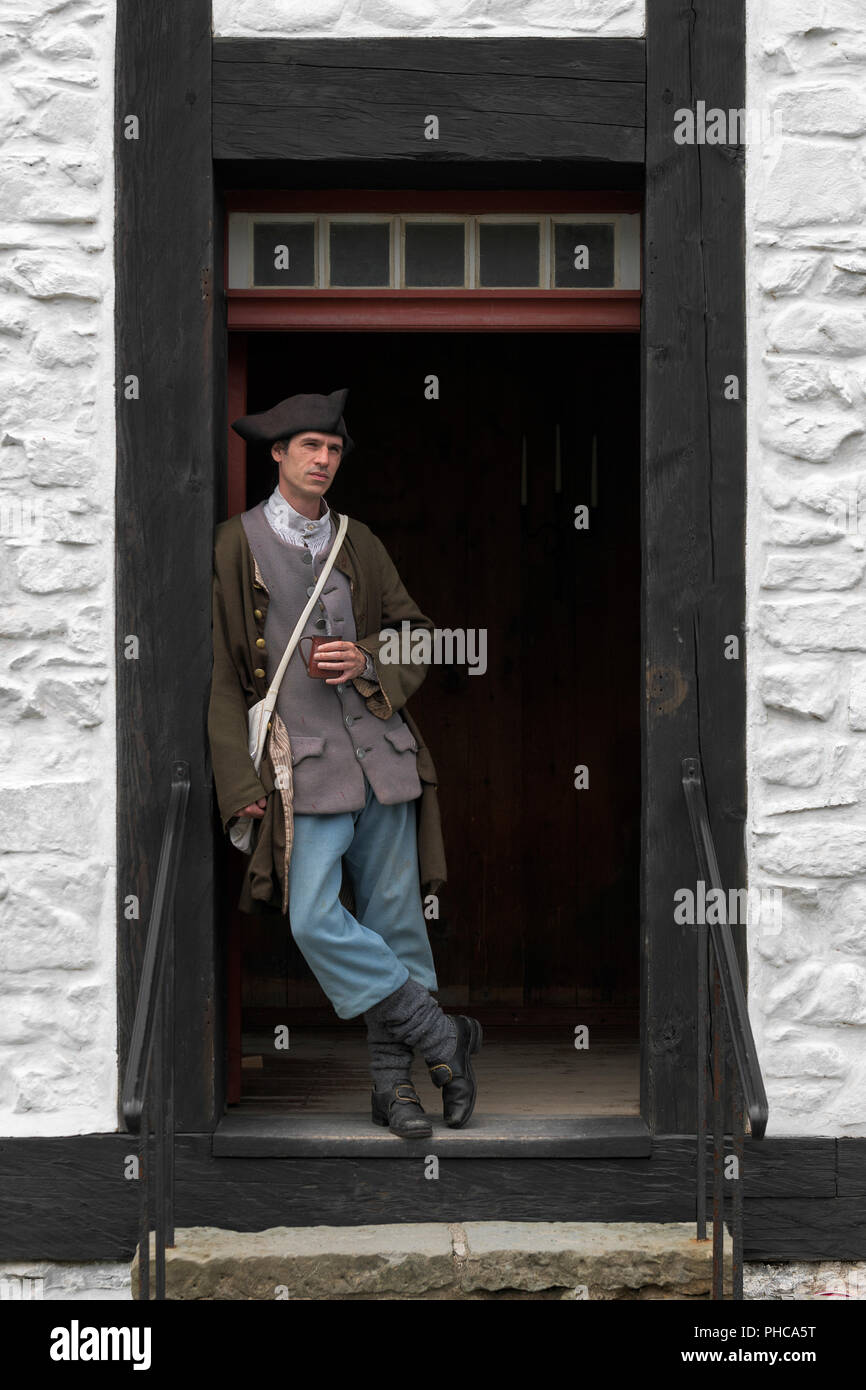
798, 1280
57, 748
95, 1281
806, 248
446, 18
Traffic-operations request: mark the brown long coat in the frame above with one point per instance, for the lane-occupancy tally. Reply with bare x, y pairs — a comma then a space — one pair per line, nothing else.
240, 606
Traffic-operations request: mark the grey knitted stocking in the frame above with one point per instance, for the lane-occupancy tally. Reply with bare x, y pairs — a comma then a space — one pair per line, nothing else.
410, 1018
390, 1060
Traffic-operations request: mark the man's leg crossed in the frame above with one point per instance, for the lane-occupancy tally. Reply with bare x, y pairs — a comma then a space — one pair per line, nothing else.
383, 863
354, 965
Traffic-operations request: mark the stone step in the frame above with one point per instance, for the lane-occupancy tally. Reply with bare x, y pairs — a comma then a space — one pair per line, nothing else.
435, 1260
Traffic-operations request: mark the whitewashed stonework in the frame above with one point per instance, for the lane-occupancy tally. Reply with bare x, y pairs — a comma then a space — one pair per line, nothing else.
457, 18
806, 258
57, 749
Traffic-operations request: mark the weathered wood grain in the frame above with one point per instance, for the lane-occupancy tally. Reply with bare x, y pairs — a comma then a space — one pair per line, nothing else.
694, 490
168, 469
368, 98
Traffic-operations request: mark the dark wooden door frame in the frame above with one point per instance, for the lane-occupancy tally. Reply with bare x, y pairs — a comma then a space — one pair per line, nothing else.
169, 446
693, 522
502, 102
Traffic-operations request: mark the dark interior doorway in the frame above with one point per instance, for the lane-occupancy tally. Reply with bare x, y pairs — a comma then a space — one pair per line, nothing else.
474, 496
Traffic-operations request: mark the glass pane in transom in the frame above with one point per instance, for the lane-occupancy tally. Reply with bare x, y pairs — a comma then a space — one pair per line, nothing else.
583, 255
284, 253
434, 254
509, 253
360, 253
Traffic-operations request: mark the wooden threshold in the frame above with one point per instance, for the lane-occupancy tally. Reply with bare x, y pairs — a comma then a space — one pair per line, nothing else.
242, 1135
537, 1097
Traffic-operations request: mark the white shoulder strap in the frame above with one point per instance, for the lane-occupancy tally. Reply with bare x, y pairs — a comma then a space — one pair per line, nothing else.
271, 697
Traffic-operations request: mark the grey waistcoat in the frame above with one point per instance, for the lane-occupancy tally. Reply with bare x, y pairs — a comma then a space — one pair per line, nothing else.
334, 737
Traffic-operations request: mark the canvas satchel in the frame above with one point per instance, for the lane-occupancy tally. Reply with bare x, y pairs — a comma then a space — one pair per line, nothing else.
258, 715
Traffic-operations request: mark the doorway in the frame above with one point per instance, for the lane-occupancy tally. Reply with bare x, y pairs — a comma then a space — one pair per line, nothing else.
473, 452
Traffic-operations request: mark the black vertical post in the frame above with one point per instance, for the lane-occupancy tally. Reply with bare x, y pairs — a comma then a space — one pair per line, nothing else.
694, 513
719, 1031
144, 1203
157, 1081
739, 1150
168, 993
167, 443
701, 1081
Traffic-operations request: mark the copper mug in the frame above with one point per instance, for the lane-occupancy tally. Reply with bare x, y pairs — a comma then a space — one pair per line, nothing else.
311, 663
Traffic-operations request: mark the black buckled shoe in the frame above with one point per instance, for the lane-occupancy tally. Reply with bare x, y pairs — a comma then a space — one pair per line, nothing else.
456, 1076
394, 1109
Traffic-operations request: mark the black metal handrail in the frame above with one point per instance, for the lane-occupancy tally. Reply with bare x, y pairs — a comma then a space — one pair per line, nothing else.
730, 1018
148, 1086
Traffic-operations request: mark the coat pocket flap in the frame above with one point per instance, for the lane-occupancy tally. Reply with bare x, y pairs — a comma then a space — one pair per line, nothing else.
305, 746
403, 739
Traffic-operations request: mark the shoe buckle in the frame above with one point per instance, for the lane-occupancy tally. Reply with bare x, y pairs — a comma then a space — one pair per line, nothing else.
441, 1066
413, 1097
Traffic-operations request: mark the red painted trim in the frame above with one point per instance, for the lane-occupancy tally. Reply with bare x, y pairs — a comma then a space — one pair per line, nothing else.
419, 200
431, 311
237, 405
225, 250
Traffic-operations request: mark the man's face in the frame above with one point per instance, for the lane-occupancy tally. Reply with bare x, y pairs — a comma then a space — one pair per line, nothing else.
309, 463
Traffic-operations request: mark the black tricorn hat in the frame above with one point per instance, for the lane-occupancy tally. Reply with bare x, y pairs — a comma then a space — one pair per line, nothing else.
296, 413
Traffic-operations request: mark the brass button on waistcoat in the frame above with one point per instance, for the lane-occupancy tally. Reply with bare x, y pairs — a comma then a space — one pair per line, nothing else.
257, 612
260, 642
258, 671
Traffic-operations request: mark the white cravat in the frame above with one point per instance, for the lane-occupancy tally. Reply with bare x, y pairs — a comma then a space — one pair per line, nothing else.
291, 526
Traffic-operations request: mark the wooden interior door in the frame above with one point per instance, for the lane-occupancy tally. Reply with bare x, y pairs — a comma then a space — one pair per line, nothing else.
475, 500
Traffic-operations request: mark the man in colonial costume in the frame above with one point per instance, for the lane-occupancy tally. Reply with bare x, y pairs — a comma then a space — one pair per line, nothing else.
346, 786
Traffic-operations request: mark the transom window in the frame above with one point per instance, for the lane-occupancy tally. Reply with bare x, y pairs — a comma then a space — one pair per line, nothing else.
488, 251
